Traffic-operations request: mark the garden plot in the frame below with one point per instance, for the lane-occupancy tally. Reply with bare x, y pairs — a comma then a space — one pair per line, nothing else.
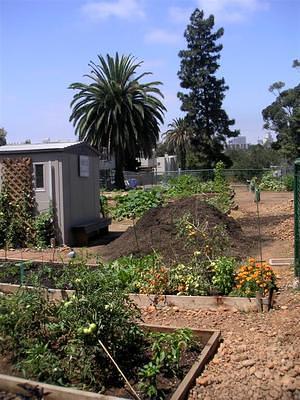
63, 343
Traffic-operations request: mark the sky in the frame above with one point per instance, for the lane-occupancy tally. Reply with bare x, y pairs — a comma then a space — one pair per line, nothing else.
45, 45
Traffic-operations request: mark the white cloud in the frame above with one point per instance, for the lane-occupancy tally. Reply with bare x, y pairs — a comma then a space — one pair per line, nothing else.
223, 10
162, 36
180, 14
124, 9
232, 10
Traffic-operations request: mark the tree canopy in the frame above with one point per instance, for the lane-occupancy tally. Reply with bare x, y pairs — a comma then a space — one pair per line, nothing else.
177, 138
204, 95
283, 118
3, 134
117, 111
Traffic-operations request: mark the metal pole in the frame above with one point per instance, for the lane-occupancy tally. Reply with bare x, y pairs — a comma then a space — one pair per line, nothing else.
257, 200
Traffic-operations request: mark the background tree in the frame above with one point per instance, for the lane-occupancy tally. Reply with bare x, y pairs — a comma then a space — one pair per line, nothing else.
117, 111
178, 138
283, 117
3, 134
163, 148
203, 101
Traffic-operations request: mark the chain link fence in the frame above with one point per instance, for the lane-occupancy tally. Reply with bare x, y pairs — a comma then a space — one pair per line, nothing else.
154, 178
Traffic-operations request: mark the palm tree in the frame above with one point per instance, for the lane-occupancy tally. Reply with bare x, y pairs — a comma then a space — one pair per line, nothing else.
178, 139
118, 112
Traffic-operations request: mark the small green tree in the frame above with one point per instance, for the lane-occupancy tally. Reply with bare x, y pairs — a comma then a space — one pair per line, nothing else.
178, 137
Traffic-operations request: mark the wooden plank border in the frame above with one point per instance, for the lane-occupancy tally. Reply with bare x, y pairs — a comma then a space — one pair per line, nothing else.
210, 338
245, 304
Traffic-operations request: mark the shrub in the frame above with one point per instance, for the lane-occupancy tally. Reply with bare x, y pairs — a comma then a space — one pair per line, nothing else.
223, 199
254, 277
288, 182
269, 182
136, 203
44, 228
223, 274
187, 185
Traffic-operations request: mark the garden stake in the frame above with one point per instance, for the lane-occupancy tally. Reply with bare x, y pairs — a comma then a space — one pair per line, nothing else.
257, 200
135, 234
136, 396
21, 265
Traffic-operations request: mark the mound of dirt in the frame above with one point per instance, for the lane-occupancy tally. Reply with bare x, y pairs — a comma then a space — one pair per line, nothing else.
156, 230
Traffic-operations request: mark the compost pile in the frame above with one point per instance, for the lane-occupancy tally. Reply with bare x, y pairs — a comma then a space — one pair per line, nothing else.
157, 230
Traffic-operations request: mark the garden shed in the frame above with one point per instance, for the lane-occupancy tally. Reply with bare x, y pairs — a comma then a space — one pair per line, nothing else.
65, 177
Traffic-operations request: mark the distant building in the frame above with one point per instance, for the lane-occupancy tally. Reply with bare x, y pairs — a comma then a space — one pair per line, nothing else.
268, 139
162, 164
239, 142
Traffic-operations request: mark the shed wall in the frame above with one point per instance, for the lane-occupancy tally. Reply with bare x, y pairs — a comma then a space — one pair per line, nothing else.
81, 194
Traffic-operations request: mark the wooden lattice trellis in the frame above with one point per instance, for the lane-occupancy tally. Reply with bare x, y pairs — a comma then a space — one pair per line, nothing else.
17, 181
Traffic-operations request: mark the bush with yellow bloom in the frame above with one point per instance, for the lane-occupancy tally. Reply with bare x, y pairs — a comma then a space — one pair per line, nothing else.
255, 276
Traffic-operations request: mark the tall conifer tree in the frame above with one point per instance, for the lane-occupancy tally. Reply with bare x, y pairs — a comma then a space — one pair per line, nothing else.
205, 92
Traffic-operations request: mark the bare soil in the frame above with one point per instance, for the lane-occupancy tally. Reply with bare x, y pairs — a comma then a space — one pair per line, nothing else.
157, 230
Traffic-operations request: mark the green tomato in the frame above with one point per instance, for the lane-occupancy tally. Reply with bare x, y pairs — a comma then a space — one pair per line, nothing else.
86, 331
92, 326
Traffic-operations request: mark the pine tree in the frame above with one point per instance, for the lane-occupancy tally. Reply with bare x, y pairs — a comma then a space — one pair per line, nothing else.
205, 92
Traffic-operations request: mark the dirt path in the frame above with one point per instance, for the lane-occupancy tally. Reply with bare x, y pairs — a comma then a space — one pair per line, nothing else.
259, 357
276, 220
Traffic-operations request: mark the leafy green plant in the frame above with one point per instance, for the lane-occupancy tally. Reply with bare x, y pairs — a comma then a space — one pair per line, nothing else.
224, 195
136, 202
58, 342
288, 182
166, 351
104, 207
272, 183
187, 185
192, 279
44, 228
223, 274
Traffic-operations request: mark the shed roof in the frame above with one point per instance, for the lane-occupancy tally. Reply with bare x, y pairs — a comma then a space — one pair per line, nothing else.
41, 147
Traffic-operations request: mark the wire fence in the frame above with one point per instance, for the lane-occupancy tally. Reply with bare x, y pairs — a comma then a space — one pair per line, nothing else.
154, 178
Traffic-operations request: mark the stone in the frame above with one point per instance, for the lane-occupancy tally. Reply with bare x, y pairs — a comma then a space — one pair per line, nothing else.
258, 374
248, 363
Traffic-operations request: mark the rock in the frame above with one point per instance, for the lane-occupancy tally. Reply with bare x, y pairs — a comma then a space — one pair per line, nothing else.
258, 374
252, 370
204, 381
247, 363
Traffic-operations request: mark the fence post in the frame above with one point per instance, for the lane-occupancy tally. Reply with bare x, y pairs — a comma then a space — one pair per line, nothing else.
296, 217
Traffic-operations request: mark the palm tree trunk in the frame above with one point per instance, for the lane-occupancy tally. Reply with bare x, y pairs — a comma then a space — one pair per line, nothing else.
183, 159
119, 175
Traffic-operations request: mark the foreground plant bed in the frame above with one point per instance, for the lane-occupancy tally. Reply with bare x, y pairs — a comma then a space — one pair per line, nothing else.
209, 338
244, 304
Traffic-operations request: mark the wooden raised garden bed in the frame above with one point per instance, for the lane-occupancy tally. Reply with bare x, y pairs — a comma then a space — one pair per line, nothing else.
244, 304
209, 338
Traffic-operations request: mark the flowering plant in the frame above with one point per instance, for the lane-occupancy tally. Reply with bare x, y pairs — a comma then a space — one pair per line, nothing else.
255, 276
